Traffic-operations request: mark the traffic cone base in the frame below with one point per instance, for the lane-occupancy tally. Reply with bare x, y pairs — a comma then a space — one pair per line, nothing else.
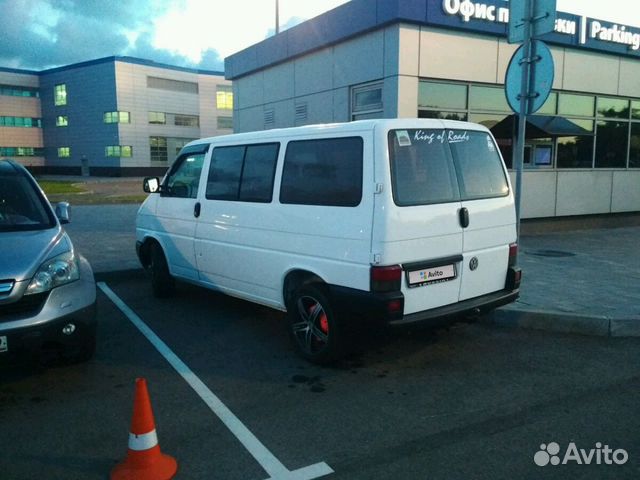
158, 466
144, 459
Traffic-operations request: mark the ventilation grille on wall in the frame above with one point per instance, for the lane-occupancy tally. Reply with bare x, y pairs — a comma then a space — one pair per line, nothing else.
269, 117
301, 112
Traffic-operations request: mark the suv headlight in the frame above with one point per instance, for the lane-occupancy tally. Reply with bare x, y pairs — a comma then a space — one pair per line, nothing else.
54, 272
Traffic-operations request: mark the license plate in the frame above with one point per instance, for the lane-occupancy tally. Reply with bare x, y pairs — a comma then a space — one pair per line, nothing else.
4, 345
442, 273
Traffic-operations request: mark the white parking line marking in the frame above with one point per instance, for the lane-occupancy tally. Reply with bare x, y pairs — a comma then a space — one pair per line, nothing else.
268, 461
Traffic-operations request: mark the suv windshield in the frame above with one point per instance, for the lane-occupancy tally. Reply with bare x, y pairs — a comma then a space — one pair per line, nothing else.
436, 166
21, 206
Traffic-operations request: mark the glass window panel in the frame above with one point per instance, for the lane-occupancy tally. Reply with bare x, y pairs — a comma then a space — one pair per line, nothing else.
258, 172
461, 116
487, 119
124, 117
224, 174
575, 152
570, 104
635, 109
478, 165
60, 94
368, 98
488, 98
634, 150
184, 179
613, 107
323, 172
549, 106
126, 151
611, 144
225, 123
442, 95
62, 121
584, 123
158, 118
422, 170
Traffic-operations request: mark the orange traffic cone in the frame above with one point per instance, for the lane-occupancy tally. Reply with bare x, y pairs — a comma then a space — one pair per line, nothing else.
144, 459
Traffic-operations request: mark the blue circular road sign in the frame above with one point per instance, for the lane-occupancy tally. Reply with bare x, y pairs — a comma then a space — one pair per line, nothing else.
540, 77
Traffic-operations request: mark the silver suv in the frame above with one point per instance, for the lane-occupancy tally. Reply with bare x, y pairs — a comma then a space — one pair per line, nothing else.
47, 290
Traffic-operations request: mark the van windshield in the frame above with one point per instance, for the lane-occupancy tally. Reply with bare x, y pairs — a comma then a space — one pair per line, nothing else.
439, 165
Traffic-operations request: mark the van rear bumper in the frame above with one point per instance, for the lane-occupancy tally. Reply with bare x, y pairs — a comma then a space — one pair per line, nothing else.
375, 306
473, 306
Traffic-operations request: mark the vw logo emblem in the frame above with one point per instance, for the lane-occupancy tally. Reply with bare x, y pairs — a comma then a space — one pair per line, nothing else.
473, 263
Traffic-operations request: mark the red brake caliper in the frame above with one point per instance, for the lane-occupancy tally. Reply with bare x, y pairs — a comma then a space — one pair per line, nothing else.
324, 323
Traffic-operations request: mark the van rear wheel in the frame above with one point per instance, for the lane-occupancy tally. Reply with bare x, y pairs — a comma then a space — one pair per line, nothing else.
162, 283
314, 328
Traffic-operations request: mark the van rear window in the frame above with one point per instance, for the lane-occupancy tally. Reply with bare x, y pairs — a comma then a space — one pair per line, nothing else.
431, 166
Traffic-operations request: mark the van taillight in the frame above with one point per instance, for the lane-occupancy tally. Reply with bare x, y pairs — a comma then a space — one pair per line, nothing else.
513, 254
386, 279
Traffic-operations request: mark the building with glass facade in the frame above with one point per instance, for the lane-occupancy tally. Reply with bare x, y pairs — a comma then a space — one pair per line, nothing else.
112, 116
448, 59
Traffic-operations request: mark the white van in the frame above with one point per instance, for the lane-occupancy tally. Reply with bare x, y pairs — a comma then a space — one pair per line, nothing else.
399, 221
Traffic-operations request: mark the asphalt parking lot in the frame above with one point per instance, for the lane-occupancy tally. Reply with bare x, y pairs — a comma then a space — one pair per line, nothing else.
473, 401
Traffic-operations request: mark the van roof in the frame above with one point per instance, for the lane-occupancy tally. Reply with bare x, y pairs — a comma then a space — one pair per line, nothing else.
347, 127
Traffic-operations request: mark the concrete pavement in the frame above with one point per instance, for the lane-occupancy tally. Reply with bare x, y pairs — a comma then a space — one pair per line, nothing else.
580, 281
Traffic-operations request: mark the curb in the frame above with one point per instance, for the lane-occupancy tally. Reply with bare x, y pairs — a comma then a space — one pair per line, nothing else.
562, 322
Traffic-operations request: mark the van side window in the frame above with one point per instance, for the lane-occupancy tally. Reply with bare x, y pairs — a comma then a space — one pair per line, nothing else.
184, 178
243, 172
323, 172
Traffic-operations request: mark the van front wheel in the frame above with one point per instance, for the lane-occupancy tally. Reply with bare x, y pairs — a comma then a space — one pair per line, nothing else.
314, 328
162, 283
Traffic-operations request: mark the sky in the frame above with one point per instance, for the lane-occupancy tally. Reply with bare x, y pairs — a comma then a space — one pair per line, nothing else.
40, 34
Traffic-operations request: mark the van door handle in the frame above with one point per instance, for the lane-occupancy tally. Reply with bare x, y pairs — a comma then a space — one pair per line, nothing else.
463, 215
196, 210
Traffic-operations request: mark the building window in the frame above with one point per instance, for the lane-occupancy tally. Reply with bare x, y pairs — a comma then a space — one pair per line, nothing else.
117, 117
366, 101
442, 96
28, 122
157, 118
225, 123
118, 151
62, 121
172, 85
487, 98
60, 94
580, 105
224, 97
323, 172
64, 152
612, 139
17, 91
21, 152
186, 120
158, 149
634, 146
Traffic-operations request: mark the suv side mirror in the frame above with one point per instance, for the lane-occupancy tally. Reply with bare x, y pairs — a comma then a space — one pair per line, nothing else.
62, 212
151, 185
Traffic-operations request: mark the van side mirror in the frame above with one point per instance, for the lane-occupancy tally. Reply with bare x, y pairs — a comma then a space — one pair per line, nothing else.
151, 185
62, 212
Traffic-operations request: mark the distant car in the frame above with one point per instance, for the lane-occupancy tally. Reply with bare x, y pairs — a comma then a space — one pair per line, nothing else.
47, 290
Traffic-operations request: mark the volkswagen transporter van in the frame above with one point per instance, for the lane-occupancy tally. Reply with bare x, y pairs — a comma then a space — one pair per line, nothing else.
395, 221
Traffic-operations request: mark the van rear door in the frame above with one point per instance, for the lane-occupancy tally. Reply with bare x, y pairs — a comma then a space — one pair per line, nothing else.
419, 227
488, 212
